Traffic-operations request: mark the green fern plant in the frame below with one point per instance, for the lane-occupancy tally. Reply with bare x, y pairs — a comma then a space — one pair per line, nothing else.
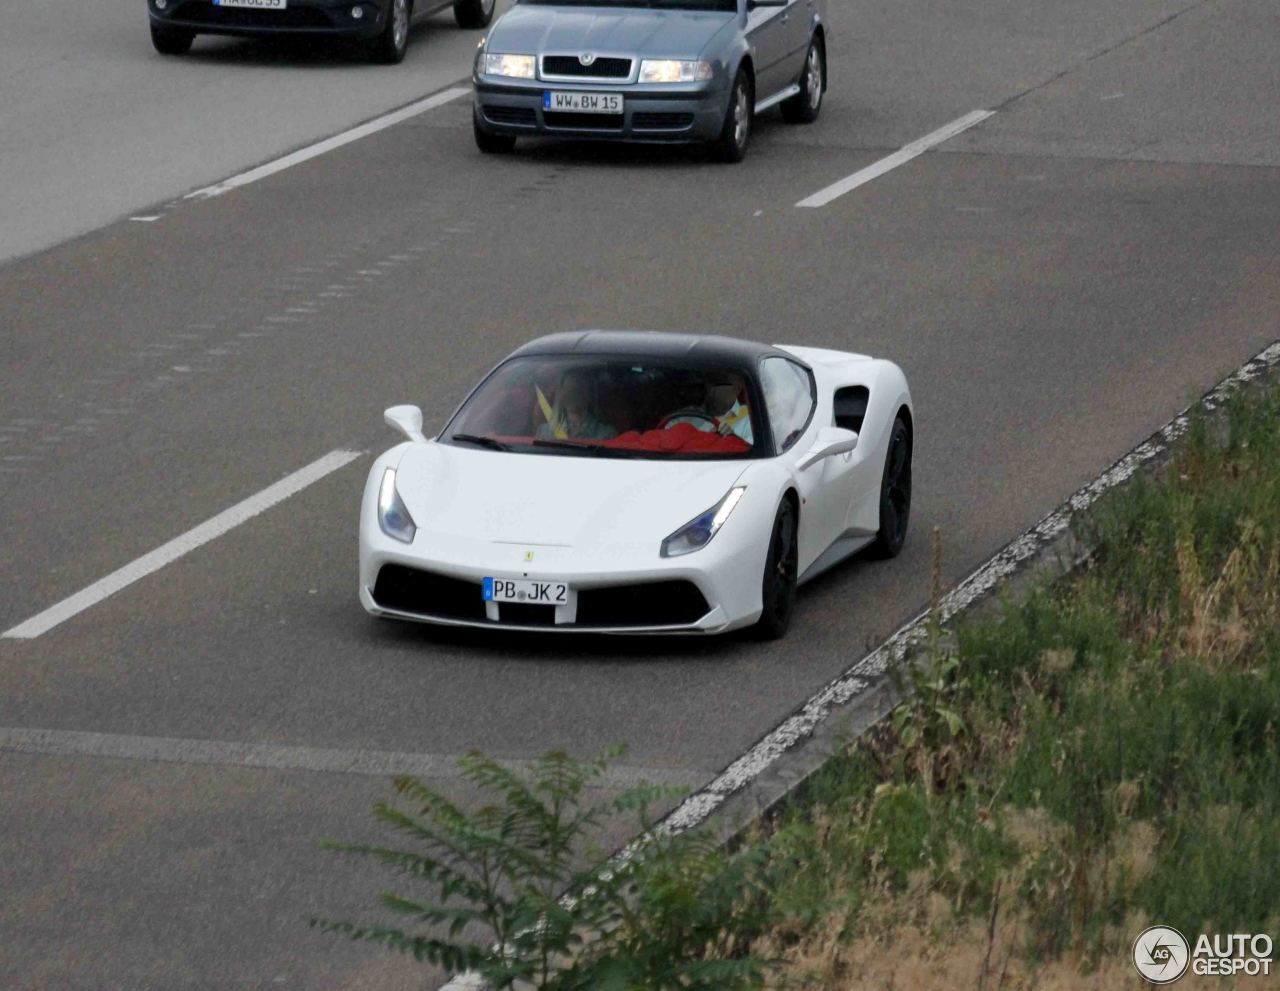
507, 898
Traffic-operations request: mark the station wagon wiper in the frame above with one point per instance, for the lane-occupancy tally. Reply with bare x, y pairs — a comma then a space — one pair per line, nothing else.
490, 442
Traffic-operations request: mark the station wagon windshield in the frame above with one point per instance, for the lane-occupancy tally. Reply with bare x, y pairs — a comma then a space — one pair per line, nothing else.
609, 407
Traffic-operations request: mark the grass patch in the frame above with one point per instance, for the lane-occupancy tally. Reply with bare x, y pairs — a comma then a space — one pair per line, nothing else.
1100, 756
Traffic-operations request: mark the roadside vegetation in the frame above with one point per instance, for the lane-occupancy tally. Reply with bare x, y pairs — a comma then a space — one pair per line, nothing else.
1096, 757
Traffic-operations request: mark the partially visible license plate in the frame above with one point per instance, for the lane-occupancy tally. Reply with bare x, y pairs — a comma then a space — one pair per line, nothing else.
524, 590
255, 4
583, 103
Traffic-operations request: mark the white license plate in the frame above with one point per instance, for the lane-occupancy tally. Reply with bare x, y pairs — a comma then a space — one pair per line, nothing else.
255, 4
534, 593
583, 103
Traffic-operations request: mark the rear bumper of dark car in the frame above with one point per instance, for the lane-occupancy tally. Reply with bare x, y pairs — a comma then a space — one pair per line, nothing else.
649, 114
316, 18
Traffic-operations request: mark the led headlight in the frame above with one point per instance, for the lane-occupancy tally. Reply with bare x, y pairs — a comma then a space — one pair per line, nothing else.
392, 515
697, 533
674, 71
512, 66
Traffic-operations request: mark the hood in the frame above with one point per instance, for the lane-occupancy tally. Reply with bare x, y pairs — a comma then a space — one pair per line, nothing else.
537, 29
566, 501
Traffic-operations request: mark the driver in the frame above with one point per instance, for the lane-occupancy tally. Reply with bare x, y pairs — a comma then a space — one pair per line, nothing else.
720, 410
573, 415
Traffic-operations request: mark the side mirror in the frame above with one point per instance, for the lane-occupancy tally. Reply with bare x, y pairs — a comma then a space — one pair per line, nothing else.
831, 441
406, 419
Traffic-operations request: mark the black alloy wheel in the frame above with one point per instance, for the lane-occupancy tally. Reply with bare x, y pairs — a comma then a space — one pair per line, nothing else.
735, 133
393, 40
895, 493
473, 13
778, 590
171, 41
804, 106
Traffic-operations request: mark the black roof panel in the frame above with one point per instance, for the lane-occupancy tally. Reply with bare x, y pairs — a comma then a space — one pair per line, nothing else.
654, 343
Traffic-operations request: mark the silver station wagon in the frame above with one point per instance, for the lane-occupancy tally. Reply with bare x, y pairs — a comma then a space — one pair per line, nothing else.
648, 70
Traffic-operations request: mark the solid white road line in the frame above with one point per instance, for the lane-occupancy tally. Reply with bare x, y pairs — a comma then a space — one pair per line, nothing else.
274, 756
329, 144
849, 183
227, 520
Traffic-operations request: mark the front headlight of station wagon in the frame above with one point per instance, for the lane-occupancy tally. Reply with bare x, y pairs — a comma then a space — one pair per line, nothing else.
512, 66
669, 70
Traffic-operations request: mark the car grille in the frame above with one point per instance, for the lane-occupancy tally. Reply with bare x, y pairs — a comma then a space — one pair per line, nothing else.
601, 68
203, 12
427, 594
672, 603
525, 116
582, 122
661, 122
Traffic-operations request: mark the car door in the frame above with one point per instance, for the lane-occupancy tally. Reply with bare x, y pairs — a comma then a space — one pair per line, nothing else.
798, 27
796, 413
768, 41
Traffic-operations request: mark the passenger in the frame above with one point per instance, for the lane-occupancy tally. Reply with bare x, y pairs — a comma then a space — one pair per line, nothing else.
573, 415
720, 410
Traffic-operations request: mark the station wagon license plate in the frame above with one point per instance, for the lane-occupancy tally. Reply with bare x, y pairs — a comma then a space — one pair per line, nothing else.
254, 4
534, 593
583, 103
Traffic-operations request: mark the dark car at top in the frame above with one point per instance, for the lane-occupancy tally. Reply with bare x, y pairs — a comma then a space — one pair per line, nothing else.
686, 71
381, 25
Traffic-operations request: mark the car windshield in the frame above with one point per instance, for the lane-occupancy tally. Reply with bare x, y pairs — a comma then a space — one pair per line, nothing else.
609, 407
729, 6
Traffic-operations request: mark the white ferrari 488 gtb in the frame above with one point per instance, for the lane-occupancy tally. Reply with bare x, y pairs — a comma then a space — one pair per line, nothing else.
637, 482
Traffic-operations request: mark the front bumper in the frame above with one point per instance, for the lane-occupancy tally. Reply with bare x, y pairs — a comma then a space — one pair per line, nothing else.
315, 18
687, 113
712, 590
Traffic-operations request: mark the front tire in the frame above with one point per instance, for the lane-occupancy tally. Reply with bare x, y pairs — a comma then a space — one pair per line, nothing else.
735, 133
473, 13
491, 144
778, 589
895, 493
804, 106
171, 41
392, 42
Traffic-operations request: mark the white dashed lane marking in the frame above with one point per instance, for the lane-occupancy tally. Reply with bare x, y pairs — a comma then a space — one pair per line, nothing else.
225, 521
900, 157
329, 144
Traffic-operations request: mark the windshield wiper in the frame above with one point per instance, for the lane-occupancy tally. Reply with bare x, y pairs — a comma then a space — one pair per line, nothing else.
490, 442
601, 449
570, 445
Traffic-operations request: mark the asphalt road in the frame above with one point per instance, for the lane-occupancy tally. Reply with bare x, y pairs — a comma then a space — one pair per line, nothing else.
94, 124
1056, 282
